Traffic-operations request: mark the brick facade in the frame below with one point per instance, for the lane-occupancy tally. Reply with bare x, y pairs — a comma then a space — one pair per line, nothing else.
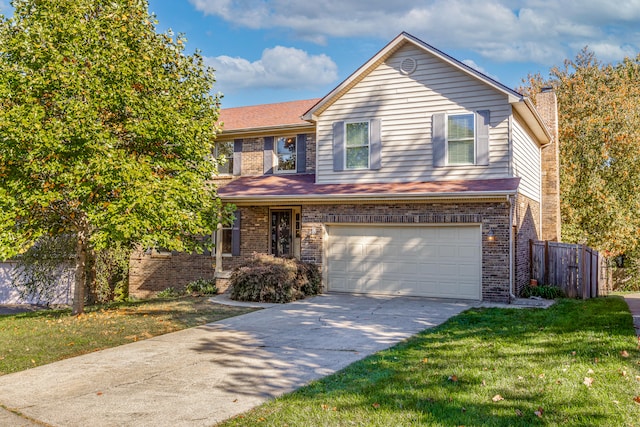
526, 219
151, 273
252, 163
491, 215
252, 156
547, 106
254, 235
311, 153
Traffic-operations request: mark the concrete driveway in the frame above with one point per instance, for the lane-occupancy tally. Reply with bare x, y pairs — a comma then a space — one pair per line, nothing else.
203, 375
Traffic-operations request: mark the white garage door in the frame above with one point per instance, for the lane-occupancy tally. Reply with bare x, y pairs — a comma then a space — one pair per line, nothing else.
434, 261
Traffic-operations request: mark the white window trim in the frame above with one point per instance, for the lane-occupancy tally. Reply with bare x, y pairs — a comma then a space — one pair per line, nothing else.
276, 161
346, 167
216, 155
230, 228
475, 138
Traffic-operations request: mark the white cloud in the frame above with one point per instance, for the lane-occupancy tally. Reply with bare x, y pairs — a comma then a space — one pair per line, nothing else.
279, 67
607, 52
471, 63
542, 31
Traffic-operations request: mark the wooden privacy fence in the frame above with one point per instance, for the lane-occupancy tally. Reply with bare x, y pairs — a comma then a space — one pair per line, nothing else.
576, 269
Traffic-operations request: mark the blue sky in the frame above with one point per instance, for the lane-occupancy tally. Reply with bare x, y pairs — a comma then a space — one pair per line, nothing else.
280, 50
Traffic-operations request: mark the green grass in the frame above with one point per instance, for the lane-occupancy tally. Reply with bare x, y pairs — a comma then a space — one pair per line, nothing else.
529, 360
32, 339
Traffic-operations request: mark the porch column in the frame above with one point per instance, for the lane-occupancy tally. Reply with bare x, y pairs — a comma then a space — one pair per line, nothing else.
219, 250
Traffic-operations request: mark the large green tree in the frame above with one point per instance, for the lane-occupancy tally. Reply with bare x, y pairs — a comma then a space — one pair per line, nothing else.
599, 133
106, 130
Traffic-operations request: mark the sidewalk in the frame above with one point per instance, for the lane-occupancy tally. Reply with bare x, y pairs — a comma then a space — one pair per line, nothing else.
633, 301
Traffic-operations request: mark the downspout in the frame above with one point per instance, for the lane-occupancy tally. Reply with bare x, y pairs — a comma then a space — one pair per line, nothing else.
511, 295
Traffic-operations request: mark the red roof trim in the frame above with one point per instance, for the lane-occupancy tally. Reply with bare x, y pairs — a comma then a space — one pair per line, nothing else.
302, 186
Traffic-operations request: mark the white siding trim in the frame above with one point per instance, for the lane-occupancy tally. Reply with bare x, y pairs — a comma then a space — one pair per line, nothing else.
526, 162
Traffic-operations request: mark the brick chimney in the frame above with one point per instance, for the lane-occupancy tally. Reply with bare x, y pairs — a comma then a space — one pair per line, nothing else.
547, 106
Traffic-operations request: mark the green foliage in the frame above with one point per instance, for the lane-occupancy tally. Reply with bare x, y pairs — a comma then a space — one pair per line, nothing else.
40, 269
545, 291
169, 292
202, 287
270, 279
106, 130
599, 134
112, 273
626, 272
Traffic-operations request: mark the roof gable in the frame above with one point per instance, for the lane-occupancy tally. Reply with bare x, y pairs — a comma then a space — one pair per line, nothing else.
519, 102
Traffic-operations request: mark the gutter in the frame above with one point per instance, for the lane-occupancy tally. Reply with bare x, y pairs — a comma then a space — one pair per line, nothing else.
268, 130
511, 248
475, 195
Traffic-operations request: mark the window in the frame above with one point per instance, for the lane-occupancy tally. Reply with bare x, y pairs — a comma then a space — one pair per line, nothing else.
357, 145
230, 243
227, 233
286, 154
224, 155
460, 139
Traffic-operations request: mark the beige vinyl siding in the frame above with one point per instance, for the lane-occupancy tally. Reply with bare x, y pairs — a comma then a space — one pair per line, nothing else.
526, 161
405, 105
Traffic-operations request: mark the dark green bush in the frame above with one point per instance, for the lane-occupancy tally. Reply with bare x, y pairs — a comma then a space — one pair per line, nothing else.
546, 292
266, 278
202, 287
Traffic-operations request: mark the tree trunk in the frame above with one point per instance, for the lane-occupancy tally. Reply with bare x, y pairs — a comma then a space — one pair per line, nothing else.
81, 260
90, 278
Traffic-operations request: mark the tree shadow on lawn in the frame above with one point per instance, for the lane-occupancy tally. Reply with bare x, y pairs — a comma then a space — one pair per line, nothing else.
529, 360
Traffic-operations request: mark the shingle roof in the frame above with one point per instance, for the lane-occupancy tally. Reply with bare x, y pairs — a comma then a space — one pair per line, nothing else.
304, 186
265, 115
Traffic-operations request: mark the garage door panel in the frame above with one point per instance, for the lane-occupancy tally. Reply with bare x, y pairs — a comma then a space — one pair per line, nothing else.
440, 261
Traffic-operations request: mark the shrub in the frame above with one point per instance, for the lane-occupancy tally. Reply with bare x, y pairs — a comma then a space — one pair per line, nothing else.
202, 287
546, 292
168, 293
266, 278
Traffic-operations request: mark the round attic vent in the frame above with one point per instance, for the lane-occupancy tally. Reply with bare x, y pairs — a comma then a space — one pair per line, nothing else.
408, 66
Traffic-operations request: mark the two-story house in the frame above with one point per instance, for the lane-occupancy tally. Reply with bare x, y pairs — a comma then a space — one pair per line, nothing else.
417, 175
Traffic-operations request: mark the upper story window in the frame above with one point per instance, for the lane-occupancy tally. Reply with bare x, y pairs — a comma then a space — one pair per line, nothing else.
461, 139
357, 145
286, 154
224, 154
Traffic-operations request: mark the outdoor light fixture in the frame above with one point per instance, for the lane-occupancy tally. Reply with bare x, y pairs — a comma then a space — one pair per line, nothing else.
490, 236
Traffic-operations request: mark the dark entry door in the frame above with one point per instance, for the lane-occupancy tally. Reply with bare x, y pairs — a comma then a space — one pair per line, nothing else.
281, 233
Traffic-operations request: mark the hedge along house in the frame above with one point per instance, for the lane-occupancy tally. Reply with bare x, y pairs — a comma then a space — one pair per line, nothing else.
415, 176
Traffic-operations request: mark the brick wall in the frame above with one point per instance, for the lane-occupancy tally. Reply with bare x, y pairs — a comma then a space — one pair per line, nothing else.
252, 163
527, 222
547, 106
492, 215
254, 235
311, 153
252, 156
149, 274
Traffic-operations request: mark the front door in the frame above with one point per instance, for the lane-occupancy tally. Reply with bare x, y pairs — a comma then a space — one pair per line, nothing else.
281, 237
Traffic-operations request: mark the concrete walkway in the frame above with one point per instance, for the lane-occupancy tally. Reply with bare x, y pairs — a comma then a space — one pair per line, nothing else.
633, 301
203, 375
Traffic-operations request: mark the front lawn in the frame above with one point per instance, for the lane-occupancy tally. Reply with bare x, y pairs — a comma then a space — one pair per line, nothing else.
576, 363
32, 339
